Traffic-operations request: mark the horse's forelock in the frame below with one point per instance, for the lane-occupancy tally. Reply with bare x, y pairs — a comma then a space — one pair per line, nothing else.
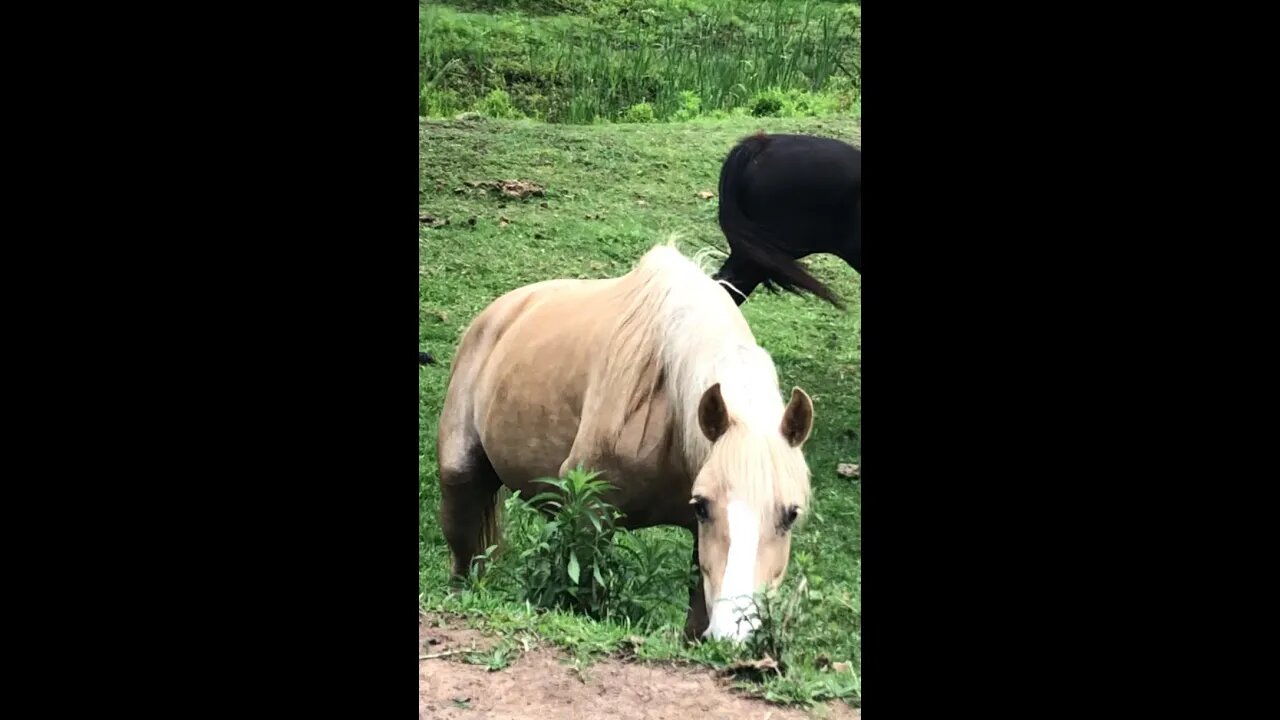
763, 471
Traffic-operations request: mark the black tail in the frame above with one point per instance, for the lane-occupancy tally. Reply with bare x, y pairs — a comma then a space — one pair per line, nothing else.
424, 358
755, 242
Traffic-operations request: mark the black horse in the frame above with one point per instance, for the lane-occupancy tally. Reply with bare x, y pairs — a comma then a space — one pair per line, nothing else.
783, 197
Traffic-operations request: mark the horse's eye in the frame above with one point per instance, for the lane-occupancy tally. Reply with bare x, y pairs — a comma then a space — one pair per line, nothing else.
700, 508
789, 517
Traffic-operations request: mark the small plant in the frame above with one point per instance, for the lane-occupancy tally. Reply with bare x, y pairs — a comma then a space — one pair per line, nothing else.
690, 106
767, 103
439, 102
777, 611
497, 104
477, 579
579, 667
639, 113
575, 557
496, 659
568, 560
777, 660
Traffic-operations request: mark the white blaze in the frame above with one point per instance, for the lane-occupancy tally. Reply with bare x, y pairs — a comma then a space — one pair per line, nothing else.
734, 614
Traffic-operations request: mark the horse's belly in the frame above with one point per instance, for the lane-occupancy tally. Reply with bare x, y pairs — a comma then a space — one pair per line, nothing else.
529, 441
532, 439
533, 407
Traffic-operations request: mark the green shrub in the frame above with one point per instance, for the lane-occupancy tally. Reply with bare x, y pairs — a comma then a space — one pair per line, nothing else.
497, 104
439, 103
639, 113
767, 103
567, 552
801, 103
690, 106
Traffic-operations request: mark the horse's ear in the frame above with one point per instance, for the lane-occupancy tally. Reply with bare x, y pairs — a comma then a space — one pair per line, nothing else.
797, 419
713, 417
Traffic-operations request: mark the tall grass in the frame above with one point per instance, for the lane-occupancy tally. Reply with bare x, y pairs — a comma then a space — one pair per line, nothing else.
582, 68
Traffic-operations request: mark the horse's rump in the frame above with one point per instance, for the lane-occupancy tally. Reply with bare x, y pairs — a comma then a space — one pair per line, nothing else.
786, 196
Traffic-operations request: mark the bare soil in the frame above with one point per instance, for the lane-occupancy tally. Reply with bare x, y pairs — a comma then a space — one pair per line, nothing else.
542, 684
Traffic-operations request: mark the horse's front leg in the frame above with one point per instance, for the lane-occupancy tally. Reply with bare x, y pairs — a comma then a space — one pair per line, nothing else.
696, 621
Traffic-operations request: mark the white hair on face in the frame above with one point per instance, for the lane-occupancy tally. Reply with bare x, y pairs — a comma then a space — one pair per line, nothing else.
734, 614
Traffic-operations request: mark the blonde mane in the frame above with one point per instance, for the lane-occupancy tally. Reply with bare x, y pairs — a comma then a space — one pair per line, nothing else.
679, 331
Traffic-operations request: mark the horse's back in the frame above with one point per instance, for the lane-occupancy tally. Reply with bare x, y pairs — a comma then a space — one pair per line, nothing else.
804, 170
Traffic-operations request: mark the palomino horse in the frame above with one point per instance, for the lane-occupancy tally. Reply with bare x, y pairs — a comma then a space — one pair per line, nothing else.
654, 379
783, 197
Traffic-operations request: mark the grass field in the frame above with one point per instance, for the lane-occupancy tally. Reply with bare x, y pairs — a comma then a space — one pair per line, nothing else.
611, 192
586, 61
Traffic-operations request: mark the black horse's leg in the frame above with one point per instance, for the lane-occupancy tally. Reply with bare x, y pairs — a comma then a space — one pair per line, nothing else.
742, 274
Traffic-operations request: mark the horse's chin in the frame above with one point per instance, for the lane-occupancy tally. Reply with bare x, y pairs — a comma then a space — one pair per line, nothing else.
737, 630
731, 636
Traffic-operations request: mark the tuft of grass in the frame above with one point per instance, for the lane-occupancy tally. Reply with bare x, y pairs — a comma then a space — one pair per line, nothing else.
499, 658
784, 635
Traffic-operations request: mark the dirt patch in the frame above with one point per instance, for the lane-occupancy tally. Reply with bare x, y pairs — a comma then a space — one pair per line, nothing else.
449, 636
543, 685
517, 189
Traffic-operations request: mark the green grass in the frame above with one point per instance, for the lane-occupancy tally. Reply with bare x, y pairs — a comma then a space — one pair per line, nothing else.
583, 61
612, 191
